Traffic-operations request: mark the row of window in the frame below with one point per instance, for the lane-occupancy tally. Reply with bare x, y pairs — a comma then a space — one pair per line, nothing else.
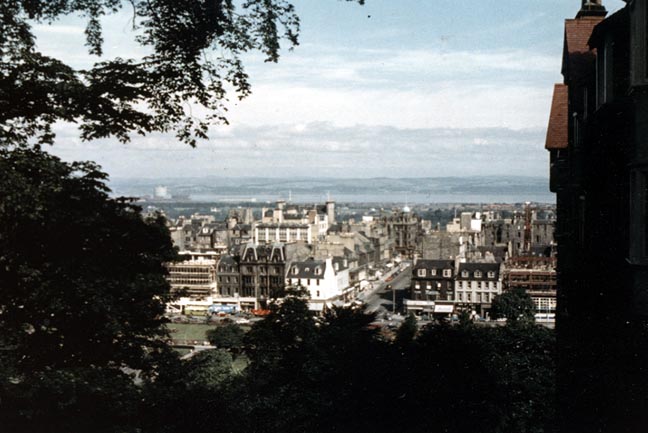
478, 297
317, 270
177, 281
447, 273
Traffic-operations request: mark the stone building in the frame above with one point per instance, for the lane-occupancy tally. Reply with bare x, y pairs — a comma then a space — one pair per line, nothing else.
597, 138
254, 275
326, 280
477, 284
433, 280
404, 227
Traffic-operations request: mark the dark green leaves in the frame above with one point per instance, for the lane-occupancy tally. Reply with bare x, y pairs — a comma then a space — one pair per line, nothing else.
81, 275
195, 55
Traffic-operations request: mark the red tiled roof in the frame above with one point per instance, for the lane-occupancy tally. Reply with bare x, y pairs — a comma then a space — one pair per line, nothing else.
557, 131
576, 51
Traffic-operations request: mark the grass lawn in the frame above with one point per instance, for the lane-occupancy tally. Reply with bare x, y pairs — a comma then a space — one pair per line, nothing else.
189, 331
193, 331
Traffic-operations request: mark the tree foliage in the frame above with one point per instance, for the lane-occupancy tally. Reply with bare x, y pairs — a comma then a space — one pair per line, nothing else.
82, 281
515, 305
229, 336
82, 293
194, 59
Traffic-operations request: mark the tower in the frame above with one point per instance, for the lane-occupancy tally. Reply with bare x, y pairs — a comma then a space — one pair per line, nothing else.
330, 210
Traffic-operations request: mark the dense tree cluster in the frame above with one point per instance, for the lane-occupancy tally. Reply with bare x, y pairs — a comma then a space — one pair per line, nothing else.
334, 373
82, 292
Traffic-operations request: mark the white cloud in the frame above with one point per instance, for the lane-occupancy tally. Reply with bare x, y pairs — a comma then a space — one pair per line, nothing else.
324, 149
442, 104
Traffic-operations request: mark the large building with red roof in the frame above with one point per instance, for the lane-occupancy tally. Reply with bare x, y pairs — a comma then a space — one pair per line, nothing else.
597, 138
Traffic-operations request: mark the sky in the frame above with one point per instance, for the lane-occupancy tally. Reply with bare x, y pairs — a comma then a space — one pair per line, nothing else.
407, 88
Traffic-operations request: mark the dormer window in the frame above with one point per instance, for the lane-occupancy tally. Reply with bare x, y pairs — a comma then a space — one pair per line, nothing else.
478, 274
318, 271
464, 274
421, 272
295, 270
432, 271
491, 274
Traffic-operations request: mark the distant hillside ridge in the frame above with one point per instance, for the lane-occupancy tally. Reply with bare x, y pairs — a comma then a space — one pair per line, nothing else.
477, 188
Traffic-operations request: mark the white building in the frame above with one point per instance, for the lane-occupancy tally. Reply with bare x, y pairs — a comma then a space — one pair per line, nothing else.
326, 280
283, 232
477, 284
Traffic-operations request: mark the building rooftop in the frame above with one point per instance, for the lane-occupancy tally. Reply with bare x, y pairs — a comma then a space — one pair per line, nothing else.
558, 129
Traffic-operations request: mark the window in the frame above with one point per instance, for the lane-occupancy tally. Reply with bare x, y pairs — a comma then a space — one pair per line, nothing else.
432, 271
295, 270
478, 274
421, 272
317, 294
447, 273
308, 282
464, 274
491, 274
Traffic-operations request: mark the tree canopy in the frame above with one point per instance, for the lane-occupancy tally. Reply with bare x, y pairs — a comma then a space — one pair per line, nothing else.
194, 62
82, 281
515, 305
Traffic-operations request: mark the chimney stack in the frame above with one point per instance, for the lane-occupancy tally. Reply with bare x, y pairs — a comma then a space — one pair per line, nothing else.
591, 8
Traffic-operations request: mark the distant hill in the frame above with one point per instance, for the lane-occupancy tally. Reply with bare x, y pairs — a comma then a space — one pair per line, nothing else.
415, 190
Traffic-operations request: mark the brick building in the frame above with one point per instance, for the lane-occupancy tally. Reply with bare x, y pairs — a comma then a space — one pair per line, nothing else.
598, 143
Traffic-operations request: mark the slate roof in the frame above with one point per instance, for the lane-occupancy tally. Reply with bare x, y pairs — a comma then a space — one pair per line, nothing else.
472, 268
340, 262
307, 269
227, 260
428, 265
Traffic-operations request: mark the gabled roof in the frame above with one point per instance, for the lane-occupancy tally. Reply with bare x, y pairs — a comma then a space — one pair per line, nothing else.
577, 55
254, 252
558, 129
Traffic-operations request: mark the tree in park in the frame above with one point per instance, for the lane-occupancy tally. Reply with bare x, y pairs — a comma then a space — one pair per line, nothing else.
82, 290
515, 305
229, 336
194, 47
